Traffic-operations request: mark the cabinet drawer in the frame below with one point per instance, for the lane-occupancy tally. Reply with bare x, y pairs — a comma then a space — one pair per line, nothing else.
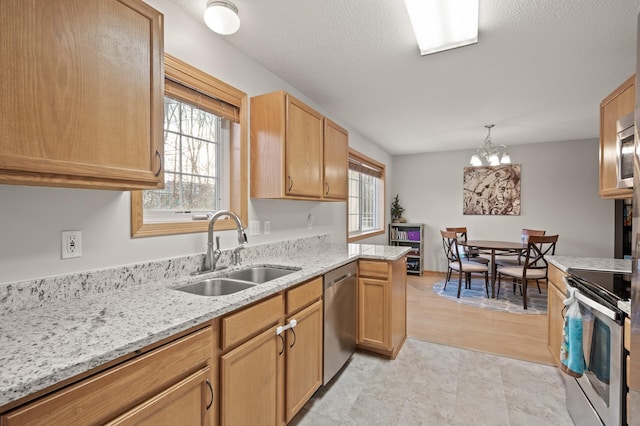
555, 277
303, 295
102, 397
627, 334
241, 325
374, 269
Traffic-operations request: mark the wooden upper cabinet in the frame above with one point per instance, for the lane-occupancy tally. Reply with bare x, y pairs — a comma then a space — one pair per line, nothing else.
289, 150
615, 106
82, 94
303, 150
336, 161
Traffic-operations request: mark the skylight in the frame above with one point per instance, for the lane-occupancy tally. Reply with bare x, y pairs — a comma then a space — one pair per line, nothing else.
443, 24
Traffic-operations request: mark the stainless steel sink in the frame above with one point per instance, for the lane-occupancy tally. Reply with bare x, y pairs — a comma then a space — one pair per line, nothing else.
216, 287
260, 274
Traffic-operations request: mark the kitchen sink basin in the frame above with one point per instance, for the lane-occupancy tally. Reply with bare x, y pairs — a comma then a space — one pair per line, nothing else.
216, 287
260, 274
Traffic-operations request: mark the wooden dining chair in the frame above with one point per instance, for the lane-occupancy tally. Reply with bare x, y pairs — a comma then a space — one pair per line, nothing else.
468, 253
534, 266
508, 259
455, 263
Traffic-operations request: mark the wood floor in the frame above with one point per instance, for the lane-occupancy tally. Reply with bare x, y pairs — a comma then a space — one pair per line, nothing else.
435, 319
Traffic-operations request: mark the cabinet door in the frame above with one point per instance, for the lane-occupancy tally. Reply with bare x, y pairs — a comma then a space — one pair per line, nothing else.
556, 321
373, 313
613, 108
82, 102
187, 402
303, 151
250, 382
336, 161
304, 358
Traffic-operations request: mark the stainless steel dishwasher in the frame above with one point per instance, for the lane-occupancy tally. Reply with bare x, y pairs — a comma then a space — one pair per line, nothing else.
339, 318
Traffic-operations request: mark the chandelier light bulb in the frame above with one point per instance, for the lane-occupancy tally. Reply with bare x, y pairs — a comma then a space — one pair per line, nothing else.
489, 153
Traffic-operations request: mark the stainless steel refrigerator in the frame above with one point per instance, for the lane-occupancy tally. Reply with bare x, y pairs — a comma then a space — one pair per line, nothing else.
633, 406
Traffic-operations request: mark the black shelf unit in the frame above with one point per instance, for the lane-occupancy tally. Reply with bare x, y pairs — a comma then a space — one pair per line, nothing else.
409, 235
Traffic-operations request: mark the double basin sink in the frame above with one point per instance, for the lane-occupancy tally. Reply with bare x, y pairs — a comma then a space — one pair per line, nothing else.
236, 281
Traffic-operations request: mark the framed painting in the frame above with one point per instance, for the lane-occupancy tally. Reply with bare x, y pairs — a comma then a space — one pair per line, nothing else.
492, 190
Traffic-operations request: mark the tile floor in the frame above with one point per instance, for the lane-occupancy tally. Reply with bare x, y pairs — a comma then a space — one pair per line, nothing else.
431, 384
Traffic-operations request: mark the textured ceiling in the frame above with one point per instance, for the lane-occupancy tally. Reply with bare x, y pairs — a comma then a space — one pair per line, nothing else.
538, 72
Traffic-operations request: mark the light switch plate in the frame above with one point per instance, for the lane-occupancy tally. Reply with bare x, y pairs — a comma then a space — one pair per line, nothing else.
71, 244
267, 227
254, 227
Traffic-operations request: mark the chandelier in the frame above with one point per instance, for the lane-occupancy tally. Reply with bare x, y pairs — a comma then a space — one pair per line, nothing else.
489, 153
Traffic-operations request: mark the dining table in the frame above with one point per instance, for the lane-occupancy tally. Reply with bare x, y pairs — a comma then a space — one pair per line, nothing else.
492, 247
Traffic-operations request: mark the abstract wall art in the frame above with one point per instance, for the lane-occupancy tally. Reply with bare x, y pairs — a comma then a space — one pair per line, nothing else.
492, 190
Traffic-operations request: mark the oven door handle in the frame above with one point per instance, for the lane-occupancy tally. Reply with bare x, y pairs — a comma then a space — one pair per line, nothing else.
592, 303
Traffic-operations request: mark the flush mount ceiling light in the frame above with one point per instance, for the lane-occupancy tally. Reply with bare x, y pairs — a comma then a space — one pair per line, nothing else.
222, 17
443, 24
489, 153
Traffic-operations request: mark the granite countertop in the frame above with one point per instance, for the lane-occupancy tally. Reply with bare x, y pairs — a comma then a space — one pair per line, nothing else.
59, 339
590, 263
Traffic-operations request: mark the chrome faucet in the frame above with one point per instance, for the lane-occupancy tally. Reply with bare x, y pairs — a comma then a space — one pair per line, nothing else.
212, 256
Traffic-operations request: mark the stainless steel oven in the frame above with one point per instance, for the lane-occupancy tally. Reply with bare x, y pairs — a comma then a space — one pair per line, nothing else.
597, 396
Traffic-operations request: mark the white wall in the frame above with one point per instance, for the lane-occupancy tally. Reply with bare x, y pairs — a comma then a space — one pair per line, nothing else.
32, 218
559, 193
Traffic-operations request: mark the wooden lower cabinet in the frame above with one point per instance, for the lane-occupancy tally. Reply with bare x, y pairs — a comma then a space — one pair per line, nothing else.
250, 381
171, 382
382, 306
268, 377
304, 358
556, 293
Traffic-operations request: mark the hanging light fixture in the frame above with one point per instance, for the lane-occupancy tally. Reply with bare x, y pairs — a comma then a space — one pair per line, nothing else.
489, 153
222, 17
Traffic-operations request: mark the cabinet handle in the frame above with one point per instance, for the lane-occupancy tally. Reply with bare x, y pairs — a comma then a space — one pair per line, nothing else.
210, 390
294, 338
290, 183
283, 344
327, 185
160, 165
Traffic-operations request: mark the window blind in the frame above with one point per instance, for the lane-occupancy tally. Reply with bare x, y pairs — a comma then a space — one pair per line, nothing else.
192, 96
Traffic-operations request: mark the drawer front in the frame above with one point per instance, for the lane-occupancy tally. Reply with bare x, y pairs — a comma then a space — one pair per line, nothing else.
304, 295
240, 326
373, 269
555, 277
100, 398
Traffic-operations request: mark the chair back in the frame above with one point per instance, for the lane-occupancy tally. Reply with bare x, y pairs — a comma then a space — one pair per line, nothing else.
461, 235
529, 232
450, 245
538, 247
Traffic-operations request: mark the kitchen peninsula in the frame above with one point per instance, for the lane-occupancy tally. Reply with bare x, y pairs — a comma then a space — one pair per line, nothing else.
57, 329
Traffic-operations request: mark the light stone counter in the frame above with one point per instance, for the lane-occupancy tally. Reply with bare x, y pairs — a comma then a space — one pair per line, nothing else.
592, 263
55, 328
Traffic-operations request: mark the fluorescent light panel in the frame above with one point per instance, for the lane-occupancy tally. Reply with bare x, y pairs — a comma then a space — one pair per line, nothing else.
443, 24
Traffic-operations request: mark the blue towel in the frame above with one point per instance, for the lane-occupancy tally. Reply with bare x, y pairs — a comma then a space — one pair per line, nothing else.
571, 353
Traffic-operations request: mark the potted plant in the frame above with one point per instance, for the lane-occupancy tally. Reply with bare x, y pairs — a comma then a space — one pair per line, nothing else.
396, 211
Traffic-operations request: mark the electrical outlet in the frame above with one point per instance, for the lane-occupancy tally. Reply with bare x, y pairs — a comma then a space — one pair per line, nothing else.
254, 227
71, 243
267, 227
